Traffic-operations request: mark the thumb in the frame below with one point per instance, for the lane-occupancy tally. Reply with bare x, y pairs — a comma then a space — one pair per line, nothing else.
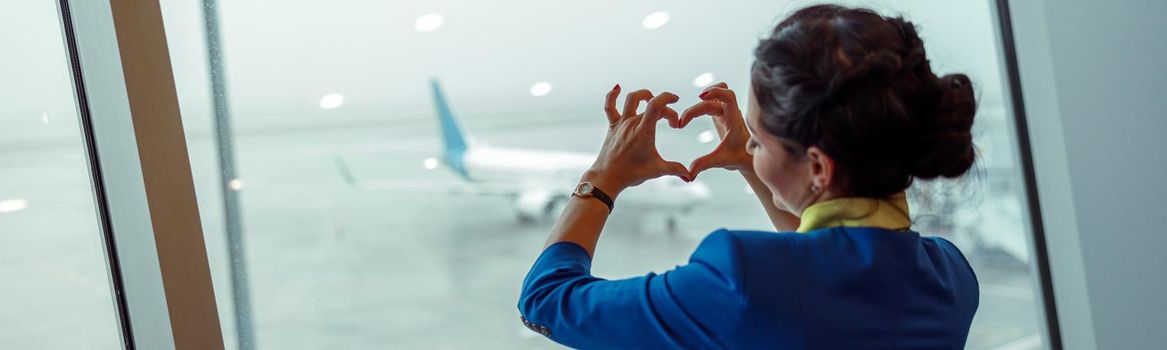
703, 163
678, 170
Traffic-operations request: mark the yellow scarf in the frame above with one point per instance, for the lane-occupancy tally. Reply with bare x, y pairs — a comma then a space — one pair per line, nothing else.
888, 213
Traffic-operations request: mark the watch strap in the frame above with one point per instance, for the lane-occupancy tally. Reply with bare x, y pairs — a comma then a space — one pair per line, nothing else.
603, 197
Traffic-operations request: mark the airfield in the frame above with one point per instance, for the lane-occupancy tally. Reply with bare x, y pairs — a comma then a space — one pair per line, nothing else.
335, 266
332, 265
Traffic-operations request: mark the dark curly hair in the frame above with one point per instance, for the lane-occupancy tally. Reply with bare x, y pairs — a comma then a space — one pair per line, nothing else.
858, 86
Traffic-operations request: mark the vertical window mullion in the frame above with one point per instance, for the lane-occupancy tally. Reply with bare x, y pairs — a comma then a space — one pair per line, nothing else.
141, 174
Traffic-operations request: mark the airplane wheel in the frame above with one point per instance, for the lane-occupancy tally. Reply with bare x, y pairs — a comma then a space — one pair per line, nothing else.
526, 219
554, 208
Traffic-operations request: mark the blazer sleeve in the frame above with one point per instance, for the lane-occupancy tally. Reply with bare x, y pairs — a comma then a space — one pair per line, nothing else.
697, 305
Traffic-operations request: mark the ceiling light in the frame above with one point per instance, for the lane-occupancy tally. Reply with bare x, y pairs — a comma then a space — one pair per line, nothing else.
655, 20
331, 101
429, 23
703, 80
540, 89
430, 163
705, 136
13, 205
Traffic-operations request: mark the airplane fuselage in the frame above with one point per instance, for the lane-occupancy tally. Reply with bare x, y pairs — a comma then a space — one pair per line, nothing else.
550, 176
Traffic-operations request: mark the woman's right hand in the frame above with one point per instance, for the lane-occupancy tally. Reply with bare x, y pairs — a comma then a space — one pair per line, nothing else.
720, 102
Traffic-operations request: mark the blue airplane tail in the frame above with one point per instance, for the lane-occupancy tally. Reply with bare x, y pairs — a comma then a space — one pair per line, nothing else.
453, 140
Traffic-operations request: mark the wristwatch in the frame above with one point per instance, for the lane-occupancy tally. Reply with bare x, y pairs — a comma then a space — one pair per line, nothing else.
587, 190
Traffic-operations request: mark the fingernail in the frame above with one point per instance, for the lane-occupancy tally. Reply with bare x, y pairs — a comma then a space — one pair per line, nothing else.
617, 87
702, 95
686, 178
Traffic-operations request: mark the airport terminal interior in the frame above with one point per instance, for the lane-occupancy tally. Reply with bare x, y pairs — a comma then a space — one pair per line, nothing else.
357, 230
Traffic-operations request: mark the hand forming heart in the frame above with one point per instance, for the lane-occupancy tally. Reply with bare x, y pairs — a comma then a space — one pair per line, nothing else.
720, 102
629, 155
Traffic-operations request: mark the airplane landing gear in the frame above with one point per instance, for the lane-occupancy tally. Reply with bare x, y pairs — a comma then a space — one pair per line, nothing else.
527, 219
554, 209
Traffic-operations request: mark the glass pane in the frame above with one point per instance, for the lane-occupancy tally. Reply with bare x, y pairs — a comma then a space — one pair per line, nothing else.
362, 228
55, 289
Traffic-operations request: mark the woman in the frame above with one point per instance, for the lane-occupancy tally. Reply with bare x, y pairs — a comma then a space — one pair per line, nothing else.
845, 112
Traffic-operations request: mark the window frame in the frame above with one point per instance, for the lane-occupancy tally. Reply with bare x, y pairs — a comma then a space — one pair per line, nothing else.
1015, 103
140, 172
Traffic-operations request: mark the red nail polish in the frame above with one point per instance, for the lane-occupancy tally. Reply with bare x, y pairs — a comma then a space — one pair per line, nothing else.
617, 87
702, 95
686, 178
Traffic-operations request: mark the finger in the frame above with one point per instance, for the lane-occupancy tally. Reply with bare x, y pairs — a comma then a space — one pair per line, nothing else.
655, 110
610, 105
721, 85
671, 115
659, 103
710, 108
633, 100
720, 94
706, 162
678, 170
646, 125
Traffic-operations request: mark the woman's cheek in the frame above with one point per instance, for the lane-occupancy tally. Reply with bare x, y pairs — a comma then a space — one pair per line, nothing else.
778, 177
765, 168
760, 166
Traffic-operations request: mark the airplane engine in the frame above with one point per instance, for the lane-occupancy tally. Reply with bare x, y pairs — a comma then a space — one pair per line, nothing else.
532, 205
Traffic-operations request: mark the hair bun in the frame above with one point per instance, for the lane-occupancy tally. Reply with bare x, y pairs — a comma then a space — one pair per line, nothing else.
878, 67
945, 147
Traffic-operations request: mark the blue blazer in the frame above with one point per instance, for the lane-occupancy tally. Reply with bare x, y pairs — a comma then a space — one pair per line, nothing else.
831, 288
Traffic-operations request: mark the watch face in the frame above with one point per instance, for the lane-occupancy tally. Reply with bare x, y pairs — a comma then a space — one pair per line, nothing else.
584, 189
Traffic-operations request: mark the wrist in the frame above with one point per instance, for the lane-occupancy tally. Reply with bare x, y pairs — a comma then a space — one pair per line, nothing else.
605, 183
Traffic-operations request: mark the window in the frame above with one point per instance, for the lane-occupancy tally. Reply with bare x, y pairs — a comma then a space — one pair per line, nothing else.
357, 221
51, 259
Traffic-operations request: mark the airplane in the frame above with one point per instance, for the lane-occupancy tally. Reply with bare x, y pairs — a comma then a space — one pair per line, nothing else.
539, 182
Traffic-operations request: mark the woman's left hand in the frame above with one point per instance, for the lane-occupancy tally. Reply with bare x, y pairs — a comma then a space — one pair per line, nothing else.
629, 155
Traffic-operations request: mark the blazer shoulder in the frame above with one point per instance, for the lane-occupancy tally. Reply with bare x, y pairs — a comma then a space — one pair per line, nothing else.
726, 238
732, 248
724, 235
953, 253
726, 241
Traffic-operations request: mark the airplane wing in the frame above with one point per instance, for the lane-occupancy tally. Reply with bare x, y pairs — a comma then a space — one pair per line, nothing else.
452, 186
440, 187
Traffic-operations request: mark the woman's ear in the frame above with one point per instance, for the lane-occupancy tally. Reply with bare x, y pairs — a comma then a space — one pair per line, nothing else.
821, 167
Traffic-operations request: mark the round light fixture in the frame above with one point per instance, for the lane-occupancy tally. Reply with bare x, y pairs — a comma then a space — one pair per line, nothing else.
13, 205
235, 184
703, 80
540, 89
706, 136
655, 20
331, 101
430, 163
429, 23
